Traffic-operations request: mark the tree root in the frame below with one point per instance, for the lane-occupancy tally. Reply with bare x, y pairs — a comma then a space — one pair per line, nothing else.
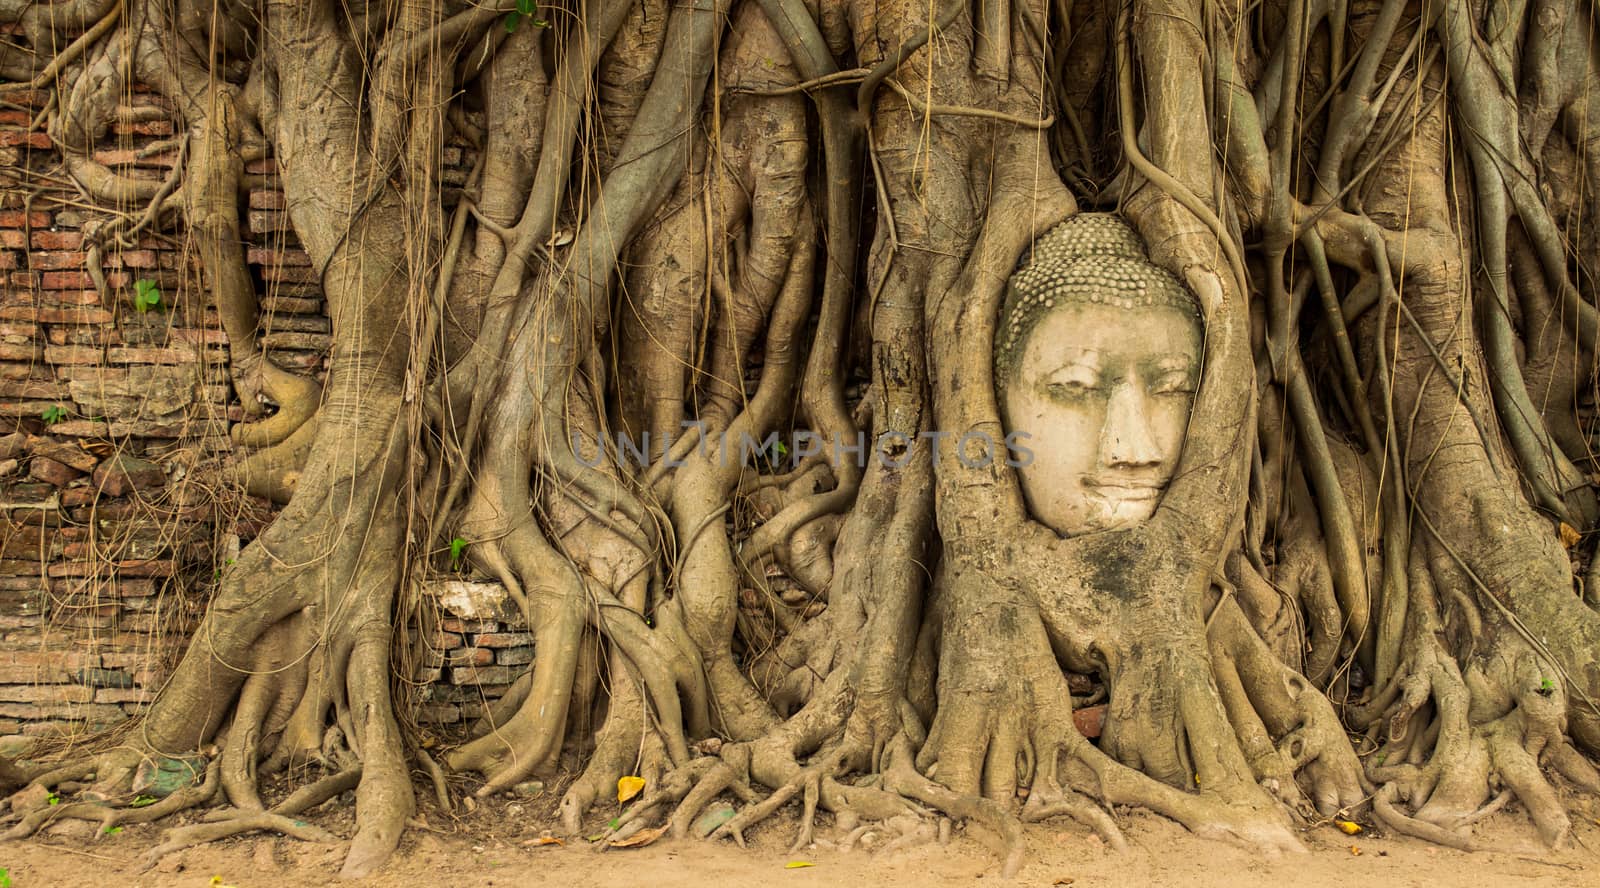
246, 822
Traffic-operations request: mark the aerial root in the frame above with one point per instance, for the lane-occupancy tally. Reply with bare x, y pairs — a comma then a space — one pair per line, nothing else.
245, 822
724, 775
674, 787
38, 818
808, 782
227, 822
912, 831
303, 799
1047, 800
1383, 806
901, 775
106, 815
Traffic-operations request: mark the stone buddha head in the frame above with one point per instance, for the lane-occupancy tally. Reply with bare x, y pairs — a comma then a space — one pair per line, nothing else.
1097, 357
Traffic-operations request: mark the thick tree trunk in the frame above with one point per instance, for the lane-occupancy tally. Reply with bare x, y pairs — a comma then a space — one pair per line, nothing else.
715, 222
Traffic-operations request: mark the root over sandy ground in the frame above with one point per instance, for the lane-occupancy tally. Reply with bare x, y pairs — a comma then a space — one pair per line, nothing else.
495, 846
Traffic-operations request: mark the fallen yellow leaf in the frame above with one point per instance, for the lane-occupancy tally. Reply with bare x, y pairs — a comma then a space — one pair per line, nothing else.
1569, 535
1348, 827
628, 787
641, 838
216, 882
797, 864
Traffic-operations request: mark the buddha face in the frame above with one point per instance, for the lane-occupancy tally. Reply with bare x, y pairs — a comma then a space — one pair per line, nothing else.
1104, 393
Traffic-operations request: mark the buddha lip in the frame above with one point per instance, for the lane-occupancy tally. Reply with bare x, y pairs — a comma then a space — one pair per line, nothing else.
1128, 489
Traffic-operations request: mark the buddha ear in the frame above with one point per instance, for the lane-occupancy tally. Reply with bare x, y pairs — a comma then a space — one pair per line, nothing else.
1207, 287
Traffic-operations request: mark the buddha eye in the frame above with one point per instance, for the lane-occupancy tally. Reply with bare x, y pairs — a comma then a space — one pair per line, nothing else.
1070, 389
1177, 383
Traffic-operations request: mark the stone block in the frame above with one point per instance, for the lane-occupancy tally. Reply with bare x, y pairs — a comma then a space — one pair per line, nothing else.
122, 474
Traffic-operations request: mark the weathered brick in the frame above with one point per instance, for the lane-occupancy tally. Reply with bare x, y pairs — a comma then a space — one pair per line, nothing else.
101, 713
131, 259
19, 219
46, 693
469, 656
147, 567
52, 472
264, 199
267, 221
46, 260
43, 315
66, 280
514, 656
289, 274
61, 451
502, 639
473, 675
130, 659
454, 624
122, 474
1089, 720
290, 305
142, 128
276, 323
94, 337
73, 354
57, 240
42, 389
85, 567
44, 664
104, 678
21, 138
440, 713
20, 352
56, 298
123, 695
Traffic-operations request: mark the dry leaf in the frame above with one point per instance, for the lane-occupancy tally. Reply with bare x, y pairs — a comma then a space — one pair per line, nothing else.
1355, 851
628, 787
1348, 827
1064, 880
544, 839
1569, 535
641, 838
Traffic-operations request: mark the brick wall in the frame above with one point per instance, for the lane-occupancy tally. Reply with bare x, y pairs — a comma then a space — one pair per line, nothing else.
109, 543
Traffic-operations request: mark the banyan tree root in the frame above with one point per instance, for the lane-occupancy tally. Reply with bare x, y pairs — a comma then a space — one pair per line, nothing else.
713, 362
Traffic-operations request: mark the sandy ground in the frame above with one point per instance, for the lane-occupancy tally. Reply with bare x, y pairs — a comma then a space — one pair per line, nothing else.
492, 847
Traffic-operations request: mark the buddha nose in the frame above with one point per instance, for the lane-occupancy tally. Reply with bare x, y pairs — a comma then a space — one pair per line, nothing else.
1128, 439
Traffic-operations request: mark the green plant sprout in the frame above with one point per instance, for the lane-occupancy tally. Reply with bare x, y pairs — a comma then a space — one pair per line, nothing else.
146, 295
53, 414
525, 9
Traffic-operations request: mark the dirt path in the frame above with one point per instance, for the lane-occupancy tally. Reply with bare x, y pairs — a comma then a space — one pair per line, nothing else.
491, 848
